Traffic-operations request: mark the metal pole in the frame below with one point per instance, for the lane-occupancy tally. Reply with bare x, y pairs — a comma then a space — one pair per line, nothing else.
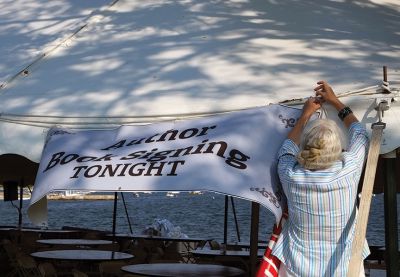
21, 196
255, 213
126, 212
226, 220
385, 79
391, 228
385, 73
236, 221
114, 213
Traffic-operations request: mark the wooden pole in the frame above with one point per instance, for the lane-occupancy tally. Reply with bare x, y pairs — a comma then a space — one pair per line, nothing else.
366, 193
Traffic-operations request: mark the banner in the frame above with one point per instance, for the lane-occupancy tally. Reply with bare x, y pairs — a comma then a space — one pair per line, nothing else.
232, 153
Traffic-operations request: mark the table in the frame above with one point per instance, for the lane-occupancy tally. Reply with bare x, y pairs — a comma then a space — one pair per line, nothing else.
179, 269
82, 255
237, 258
82, 242
246, 245
148, 237
83, 259
188, 244
36, 230
27, 237
224, 253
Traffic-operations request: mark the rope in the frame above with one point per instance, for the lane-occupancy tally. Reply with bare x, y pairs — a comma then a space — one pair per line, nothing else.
102, 121
384, 88
90, 19
105, 122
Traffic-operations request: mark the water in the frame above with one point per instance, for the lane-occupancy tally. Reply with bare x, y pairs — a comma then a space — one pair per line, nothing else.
196, 215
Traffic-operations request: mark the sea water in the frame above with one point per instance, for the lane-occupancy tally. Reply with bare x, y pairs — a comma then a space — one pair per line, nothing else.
196, 215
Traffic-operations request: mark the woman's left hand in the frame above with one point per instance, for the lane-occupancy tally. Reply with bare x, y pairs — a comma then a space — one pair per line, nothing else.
311, 105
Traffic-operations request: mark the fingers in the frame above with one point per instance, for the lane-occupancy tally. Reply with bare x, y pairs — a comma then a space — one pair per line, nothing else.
322, 85
310, 106
319, 94
319, 99
314, 101
325, 93
319, 87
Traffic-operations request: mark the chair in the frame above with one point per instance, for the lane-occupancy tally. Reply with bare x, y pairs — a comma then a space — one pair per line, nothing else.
233, 261
28, 241
126, 246
173, 252
27, 266
111, 247
92, 235
47, 270
214, 245
78, 273
146, 250
233, 247
111, 268
11, 251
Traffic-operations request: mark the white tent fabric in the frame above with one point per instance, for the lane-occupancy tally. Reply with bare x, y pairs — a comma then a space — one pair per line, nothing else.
99, 64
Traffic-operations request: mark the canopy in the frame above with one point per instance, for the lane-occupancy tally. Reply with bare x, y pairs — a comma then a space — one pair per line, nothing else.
100, 64
96, 64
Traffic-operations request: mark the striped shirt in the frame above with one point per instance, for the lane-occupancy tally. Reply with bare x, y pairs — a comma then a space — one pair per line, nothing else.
316, 238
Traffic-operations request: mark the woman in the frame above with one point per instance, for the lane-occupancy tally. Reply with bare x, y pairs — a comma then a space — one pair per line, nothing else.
320, 182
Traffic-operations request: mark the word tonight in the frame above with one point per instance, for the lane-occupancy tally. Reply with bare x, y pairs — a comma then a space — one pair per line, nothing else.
127, 169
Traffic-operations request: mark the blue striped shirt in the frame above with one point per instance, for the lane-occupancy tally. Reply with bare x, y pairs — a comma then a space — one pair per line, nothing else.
316, 239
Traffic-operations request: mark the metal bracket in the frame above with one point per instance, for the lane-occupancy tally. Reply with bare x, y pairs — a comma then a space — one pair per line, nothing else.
378, 125
381, 105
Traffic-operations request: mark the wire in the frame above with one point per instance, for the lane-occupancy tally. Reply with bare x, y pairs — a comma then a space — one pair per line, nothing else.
90, 19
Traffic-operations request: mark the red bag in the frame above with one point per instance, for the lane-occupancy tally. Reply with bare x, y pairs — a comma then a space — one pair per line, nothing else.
269, 266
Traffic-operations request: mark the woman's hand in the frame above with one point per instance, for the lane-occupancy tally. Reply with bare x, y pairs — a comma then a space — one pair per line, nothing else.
310, 106
325, 92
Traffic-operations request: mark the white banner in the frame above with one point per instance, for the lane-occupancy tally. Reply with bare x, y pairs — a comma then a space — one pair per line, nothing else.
232, 153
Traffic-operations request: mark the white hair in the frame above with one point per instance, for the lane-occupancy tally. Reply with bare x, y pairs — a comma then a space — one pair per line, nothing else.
320, 145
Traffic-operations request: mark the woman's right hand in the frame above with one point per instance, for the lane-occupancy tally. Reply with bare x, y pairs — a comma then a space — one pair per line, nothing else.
325, 92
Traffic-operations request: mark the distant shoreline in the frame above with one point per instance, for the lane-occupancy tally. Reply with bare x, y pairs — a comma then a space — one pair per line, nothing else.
70, 197
81, 197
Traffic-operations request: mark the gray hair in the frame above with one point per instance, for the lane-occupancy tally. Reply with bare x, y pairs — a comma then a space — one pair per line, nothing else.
320, 145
